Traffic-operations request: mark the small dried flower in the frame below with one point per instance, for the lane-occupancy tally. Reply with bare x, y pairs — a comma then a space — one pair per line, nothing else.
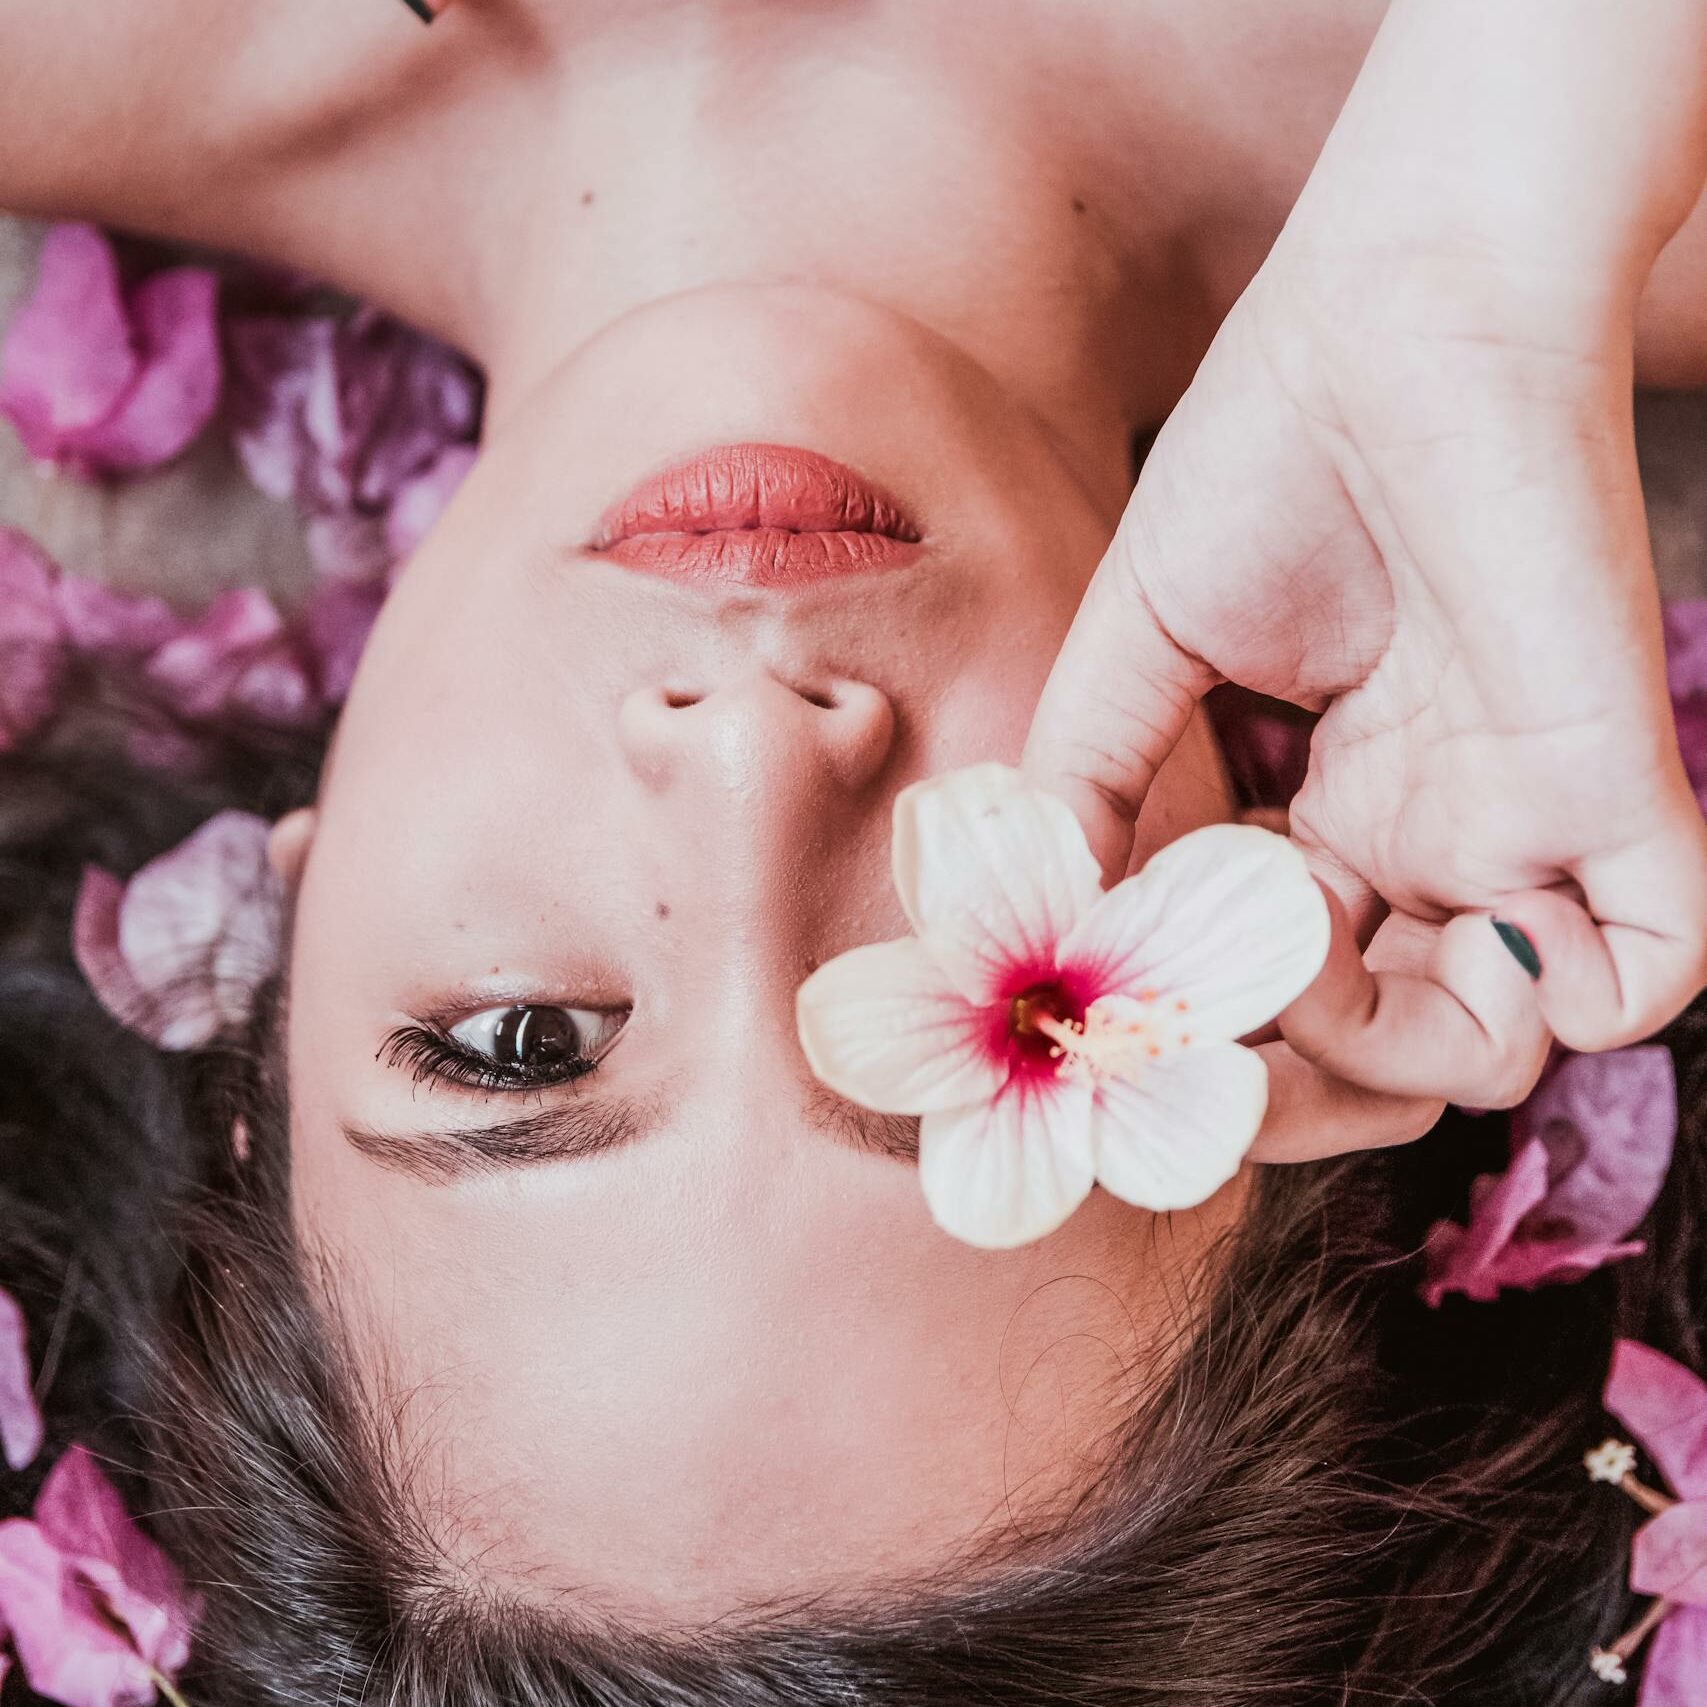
1611, 1461
1607, 1666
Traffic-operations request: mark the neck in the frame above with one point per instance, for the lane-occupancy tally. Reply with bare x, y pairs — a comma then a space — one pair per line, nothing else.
732, 153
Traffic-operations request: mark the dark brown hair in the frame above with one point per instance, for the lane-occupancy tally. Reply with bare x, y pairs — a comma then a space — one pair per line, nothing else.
1337, 1496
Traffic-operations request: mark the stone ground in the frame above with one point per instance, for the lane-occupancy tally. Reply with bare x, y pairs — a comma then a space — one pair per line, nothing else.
199, 526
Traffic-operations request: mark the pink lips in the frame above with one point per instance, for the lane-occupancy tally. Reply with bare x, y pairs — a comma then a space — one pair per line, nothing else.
757, 516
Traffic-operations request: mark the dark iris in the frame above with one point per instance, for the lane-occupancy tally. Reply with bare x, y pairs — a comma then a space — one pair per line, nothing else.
535, 1040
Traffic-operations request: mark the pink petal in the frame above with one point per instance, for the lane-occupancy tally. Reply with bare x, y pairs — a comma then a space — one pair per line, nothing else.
1175, 1133
883, 1026
199, 929
237, 659
421, 501
283, 406
1461, 1259
1002, 1173
349, 546
1686, 646
1227, 919
68, 1650
992, 874
95, 946
1664, 1406
103, 622
81, 1514
1608, 1123
1675, 1674
67, 358
20, 1416
33, 653
1669, 1556
337, 623
175, 316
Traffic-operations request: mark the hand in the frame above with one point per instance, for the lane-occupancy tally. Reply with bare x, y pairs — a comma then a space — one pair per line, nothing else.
1402, 490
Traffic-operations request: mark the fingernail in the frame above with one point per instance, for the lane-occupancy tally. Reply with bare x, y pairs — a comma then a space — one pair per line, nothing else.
1522, 949
421, 10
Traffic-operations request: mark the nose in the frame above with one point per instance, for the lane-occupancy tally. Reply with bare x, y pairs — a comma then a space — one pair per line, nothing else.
759, 739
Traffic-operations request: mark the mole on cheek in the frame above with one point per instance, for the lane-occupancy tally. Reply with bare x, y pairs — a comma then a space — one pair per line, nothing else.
663, 910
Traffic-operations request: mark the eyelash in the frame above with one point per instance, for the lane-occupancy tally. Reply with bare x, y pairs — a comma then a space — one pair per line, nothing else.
428, 1053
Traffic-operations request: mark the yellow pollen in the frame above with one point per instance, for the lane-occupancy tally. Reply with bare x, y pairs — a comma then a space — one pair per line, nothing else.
1101, 1047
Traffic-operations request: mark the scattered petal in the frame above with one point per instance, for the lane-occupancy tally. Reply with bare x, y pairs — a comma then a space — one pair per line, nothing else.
1665, 1406
992, 874
33, 655
179, 955
81, 1514
20, 1417
238, 661
1174, 1135
883, 1026
102, 622
1004, 1172
1676, 1671
99, 380
1227, 919
69, 1650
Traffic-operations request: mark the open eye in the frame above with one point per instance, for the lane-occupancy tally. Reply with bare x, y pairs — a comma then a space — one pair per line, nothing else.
538, 1043
521, 1046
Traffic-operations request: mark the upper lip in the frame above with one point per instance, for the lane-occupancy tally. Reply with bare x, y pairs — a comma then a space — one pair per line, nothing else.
755, 487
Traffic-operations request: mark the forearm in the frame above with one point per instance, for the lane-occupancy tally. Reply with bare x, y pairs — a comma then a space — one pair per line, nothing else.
1564, 136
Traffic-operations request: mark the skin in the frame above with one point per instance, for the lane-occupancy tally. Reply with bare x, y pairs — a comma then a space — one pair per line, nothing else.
667, 1381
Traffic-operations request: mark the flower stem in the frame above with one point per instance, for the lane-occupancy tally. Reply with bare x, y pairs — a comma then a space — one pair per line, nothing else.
1651, 1500
166, 1687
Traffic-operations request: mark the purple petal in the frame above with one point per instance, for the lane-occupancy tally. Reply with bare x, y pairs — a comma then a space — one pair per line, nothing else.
337, 622
1669, 1556
1608, 1123
179, 955
1465, 1259
81, 1514
67, 358
175, 316
1676, 1671
20, 1416
103, 622
68, 1649
33, 654
1665, 1406
283, 407
236, 660
421, 501
1686, 646
349, 545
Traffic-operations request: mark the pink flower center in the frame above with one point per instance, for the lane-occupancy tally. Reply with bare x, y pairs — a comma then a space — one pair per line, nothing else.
1031, 1014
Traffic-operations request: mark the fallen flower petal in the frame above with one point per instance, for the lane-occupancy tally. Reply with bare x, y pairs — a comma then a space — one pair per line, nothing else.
238, 660
99, 380
178, 954
1052, 1036
20, 1416
103, 622
80, 1512
33, 655
69, 1649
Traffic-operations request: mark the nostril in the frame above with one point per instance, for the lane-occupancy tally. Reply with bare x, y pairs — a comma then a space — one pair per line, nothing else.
823, 701
681, 701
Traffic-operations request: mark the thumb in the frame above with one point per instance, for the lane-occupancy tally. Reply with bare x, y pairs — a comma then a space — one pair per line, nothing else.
1116, 703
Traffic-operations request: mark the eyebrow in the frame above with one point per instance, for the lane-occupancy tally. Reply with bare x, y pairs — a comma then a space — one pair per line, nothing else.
590, 1128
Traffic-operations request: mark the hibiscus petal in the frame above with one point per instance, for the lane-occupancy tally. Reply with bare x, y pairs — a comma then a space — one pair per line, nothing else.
68, 1650
1677, 1661
81, 1514
175, 315
20, 1416
883, 1026
1002, 1173
1665, 1406
992, 874
1176, 1132
1608, 1123
1227, 919
67, 356
1669, 1555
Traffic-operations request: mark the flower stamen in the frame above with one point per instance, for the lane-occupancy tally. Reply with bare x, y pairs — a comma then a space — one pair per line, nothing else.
1609, 1664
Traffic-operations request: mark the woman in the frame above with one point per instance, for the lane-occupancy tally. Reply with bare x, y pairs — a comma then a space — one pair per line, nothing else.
493, 1378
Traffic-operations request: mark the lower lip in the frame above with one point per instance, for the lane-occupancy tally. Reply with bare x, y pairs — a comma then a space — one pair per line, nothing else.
757, 516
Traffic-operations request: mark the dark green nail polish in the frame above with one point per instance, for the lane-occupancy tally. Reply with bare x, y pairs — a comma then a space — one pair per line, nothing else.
1522, 949
421, 10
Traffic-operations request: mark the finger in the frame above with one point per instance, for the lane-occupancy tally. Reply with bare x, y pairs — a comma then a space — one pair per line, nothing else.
1463, 1026
1313, 1113
1118, 699
1634, 957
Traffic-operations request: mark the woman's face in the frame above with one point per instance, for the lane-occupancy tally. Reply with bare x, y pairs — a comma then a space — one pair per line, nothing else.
679, 1333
